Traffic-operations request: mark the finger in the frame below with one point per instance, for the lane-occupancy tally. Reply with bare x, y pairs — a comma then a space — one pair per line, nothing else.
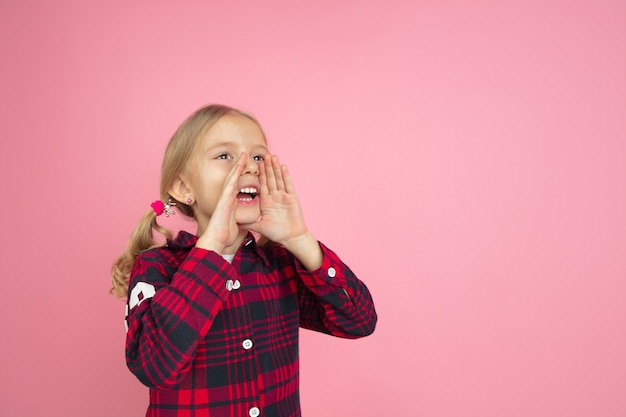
280, 183
263, 177
288, 181
270, 174
232, 179
225, 207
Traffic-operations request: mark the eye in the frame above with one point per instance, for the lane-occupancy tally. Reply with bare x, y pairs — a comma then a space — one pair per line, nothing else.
258, 158
224, 156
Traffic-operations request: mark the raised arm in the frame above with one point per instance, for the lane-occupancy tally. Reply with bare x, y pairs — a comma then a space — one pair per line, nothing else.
332, 299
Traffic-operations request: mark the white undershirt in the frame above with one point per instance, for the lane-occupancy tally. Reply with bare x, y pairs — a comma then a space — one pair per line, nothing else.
229, 258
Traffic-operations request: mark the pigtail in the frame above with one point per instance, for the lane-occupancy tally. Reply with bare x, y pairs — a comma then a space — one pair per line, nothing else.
141, 240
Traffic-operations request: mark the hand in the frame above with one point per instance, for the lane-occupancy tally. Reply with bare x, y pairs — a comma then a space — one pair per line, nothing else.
222, 230
281, 217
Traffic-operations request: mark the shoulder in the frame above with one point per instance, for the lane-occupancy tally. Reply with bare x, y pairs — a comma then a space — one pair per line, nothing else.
172, 251
156, 255
153, 265
162, 261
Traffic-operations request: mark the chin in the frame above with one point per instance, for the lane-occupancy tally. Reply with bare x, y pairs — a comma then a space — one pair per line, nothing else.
247, 215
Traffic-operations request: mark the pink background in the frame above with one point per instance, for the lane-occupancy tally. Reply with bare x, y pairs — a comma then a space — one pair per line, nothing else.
466, 158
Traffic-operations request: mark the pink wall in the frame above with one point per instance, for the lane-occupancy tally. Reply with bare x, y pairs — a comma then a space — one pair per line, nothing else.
467, 159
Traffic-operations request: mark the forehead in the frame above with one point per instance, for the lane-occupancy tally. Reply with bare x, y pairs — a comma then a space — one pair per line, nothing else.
234, 129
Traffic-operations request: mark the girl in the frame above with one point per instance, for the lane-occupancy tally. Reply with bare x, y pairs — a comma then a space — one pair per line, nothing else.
213, 319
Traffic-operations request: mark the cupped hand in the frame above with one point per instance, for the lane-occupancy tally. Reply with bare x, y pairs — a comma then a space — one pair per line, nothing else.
281, 217
222, 230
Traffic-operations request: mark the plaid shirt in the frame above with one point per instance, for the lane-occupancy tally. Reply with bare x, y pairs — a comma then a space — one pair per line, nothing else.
219, 340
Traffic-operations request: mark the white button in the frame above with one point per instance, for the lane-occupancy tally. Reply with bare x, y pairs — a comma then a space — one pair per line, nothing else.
332, 272
247, 344
236, 285
254, 412
229, 285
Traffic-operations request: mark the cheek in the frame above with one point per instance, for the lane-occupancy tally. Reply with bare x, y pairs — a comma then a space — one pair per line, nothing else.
211, 183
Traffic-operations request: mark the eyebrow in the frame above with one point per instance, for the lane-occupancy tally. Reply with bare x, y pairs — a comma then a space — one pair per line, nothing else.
220, 144
227, 144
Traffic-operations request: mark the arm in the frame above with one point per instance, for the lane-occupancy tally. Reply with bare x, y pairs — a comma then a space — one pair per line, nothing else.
333, 300
173, 302
165, 325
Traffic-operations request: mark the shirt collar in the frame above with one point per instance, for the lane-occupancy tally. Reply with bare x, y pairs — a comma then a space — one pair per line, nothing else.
185, 240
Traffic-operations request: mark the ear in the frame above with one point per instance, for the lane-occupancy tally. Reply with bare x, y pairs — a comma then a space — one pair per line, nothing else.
180, 190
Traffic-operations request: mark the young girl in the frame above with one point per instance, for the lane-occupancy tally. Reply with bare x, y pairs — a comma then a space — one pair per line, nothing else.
213, 319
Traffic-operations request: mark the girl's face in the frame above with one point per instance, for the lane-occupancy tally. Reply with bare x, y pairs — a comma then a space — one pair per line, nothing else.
218, 150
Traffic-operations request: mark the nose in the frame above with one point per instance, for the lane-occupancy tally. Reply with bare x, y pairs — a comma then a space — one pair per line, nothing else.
252, 166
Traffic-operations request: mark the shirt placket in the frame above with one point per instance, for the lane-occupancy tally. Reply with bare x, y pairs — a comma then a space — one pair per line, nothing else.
247, 345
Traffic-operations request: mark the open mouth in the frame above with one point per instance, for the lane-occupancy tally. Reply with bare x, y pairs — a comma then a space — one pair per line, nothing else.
247, 193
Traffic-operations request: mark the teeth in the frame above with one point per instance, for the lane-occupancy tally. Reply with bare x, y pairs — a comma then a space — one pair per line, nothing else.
248, 190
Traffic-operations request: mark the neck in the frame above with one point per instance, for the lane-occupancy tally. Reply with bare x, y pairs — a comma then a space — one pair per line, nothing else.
232, 249
228, 250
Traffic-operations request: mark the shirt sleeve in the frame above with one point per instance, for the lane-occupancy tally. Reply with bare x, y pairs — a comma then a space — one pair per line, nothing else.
170, 311
334, 301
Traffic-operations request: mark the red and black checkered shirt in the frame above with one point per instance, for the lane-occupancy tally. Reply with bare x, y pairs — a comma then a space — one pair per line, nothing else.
216, 339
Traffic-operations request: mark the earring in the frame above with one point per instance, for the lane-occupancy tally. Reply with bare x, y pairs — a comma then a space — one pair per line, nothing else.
189, 200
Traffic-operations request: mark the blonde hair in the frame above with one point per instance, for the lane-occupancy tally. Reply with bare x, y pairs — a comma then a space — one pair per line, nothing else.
179, 151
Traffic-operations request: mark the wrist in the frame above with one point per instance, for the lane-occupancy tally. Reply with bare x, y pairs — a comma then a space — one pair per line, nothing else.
215, 248
306, 249
294, 242
212, 245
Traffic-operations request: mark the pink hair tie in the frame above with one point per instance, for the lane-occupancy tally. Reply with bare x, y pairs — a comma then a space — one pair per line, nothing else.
160, 207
